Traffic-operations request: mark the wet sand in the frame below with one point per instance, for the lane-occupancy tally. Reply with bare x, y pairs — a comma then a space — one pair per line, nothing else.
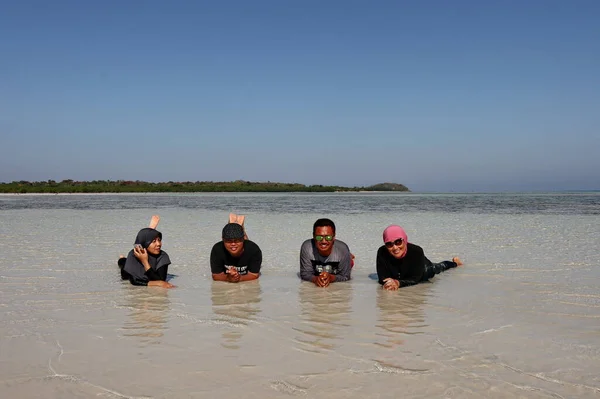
520, 319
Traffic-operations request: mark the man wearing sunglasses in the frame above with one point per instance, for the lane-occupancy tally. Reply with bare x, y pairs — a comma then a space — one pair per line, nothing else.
323, 259
400, 263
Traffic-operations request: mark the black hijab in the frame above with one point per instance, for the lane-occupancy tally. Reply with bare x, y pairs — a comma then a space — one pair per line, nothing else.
134, 267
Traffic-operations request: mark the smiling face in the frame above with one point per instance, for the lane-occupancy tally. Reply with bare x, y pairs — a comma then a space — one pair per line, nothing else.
235, 246
396, 248
155, 246
324, 246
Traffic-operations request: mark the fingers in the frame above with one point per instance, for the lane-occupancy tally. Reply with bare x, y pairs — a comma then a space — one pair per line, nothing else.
323, 279
233, 275
391, 284
140, 254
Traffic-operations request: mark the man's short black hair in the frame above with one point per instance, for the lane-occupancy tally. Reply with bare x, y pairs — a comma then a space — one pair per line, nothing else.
324, 223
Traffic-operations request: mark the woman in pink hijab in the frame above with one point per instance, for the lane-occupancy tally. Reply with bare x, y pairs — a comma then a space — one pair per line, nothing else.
400, 263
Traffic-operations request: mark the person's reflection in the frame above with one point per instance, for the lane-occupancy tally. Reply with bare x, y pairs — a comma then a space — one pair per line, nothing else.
236, 305
148, 315
400, 314
325, 314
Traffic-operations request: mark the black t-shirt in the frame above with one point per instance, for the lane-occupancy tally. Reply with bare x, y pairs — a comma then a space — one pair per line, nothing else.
409, 270
249, 261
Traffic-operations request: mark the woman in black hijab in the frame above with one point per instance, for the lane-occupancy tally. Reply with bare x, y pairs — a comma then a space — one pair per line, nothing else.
146, 263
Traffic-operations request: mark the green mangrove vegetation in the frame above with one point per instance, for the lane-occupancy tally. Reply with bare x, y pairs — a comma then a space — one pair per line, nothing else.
127, 186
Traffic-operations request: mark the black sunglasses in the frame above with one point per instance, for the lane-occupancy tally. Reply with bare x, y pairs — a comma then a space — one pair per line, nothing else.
397, 243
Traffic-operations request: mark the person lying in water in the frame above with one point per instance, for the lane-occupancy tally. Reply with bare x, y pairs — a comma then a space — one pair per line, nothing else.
323, 258
401, 264
147, 264
235, 258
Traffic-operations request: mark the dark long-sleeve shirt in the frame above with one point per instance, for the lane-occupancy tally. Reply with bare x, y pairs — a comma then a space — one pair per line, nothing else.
152, 275
409, 270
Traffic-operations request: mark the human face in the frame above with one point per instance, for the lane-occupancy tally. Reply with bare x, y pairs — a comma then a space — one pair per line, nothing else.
396, 248
234, 246
155, 246
324, 247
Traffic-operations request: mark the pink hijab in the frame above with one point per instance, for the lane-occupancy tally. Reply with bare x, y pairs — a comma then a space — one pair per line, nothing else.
392, 233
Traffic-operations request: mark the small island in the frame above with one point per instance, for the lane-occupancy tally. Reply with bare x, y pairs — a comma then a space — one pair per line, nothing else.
388, 187
128, 186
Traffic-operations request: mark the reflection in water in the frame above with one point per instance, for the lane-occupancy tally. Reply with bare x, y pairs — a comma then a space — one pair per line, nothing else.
236, 305
400, 314
148, 314
325, 313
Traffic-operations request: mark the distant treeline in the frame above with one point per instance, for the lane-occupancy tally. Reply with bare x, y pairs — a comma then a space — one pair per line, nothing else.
126, 186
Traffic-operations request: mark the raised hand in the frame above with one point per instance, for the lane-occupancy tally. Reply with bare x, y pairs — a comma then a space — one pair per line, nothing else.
140, 253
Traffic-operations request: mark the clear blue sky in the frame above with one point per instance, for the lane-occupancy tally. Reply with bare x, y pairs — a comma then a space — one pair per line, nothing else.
437, 95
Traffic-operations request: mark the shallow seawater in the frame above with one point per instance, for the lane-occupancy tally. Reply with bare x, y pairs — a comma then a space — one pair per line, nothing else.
520, 319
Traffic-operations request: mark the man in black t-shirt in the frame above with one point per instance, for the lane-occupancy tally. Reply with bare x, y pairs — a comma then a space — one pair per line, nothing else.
235, 259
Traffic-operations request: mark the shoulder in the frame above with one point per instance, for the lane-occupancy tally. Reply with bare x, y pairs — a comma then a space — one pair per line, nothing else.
414, 249
131, 258
251, 246
341, 247
306, 245
218, 247
384, 255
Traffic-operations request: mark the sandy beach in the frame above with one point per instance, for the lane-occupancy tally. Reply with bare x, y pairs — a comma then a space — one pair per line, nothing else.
520, 319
